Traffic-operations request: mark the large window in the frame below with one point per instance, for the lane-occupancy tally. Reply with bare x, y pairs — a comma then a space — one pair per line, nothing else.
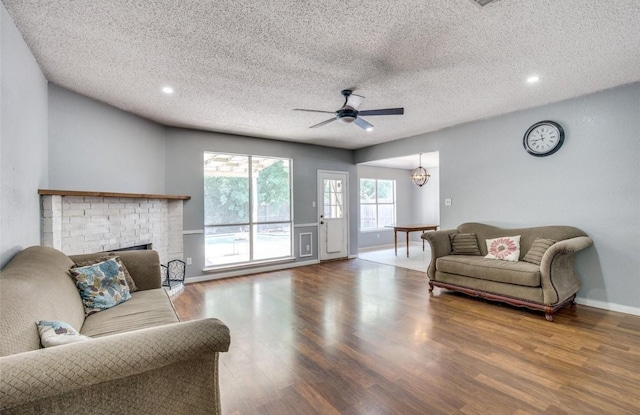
247, 208
377, 203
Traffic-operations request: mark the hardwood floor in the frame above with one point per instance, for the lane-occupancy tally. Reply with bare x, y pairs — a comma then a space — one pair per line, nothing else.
356, 337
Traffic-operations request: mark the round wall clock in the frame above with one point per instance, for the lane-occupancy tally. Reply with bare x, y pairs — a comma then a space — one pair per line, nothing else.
543, 138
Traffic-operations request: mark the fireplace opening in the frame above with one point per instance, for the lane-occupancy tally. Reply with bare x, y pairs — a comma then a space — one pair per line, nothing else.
143, 247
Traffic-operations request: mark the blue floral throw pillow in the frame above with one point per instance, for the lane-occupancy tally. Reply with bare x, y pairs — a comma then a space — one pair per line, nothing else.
102, 285
57, 333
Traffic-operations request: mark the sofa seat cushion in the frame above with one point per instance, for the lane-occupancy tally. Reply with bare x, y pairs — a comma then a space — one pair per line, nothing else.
148, 308
519, 273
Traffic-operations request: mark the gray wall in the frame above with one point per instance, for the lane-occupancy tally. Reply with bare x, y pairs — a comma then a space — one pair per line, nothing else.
94, 146
23, 141
184, 175
593, 182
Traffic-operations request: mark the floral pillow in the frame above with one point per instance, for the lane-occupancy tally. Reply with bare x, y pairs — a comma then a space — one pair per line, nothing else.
506, 248
102, 285
57, 333
130, 282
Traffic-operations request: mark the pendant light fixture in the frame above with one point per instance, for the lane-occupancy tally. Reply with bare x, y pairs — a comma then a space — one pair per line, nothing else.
420, 176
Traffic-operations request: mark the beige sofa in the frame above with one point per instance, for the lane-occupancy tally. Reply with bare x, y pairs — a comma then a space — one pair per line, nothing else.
140, 358
547, 287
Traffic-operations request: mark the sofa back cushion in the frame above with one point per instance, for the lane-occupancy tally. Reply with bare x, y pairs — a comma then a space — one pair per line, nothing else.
527, 235
36, 285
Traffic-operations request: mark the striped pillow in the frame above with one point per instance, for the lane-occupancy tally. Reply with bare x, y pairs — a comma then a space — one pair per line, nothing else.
537, 250
464, 244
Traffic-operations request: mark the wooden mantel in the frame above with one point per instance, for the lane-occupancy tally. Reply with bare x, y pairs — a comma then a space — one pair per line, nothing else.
110, 194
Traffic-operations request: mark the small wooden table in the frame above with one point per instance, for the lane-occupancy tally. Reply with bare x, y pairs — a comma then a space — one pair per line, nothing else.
408, 229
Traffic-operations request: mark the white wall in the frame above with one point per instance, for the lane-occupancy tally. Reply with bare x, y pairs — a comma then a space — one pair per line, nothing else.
96, 147
23, 141
592, 183
427, 200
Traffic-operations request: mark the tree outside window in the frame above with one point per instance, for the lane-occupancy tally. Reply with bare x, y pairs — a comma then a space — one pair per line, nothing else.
247, 208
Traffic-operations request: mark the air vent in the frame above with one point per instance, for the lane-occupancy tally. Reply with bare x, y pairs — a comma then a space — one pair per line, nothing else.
481, 3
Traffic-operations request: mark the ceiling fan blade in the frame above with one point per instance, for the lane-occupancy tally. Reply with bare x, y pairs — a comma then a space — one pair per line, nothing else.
387, 111
323, 123
325, 112
363, 124
354, 101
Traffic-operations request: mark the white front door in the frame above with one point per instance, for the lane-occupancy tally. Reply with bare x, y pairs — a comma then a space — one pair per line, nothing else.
333, 211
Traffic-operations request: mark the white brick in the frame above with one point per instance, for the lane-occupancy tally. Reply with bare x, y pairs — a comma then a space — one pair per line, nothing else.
72, 212
99, 206
83, 206
94, 199
73, 199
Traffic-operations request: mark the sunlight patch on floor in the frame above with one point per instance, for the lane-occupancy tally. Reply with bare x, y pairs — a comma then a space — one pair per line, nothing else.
418, 260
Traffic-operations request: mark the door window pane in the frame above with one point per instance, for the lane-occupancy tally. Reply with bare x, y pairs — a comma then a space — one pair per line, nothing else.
333, 199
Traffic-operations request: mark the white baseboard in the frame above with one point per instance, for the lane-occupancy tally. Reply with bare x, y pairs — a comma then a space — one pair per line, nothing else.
609, 306
247, 271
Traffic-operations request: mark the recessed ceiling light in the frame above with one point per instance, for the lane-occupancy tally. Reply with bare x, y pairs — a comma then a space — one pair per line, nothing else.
167, 90
369, 129
533, 79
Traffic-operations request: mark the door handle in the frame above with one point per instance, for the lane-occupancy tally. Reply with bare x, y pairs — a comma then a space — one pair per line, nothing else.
321, 222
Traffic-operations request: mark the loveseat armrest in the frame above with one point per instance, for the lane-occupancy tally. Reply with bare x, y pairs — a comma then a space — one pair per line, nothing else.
440, 244
44, 373
557, 269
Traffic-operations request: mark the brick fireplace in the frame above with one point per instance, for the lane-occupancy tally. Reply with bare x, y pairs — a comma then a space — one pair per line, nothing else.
84, 222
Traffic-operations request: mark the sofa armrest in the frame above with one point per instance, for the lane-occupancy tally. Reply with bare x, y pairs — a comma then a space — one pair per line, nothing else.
143, 265
440, 244
43, 373
557, 269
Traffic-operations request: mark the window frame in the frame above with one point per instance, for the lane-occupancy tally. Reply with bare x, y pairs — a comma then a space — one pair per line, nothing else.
377, 203
253, 218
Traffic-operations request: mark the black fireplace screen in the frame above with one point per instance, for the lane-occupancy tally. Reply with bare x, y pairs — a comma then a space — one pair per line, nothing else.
173, 273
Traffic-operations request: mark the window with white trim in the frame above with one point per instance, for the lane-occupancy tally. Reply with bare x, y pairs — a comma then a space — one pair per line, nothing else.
377, 203
247, 209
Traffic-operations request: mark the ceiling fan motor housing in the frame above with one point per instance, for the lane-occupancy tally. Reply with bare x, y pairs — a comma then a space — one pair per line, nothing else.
347, 115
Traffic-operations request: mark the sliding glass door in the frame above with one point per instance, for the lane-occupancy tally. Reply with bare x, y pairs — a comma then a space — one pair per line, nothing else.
247, 209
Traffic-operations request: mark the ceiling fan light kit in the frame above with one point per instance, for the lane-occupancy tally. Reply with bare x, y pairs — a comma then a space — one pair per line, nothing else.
349, 114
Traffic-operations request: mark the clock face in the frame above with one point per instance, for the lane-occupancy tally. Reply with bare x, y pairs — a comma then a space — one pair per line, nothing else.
543, 138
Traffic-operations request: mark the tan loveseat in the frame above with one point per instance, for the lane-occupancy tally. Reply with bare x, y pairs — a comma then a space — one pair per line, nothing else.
547, 287
140, 358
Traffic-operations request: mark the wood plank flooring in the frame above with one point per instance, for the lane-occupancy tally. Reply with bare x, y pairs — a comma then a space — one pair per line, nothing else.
356, 337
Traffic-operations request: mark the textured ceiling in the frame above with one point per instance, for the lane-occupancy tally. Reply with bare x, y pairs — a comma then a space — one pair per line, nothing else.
241, 66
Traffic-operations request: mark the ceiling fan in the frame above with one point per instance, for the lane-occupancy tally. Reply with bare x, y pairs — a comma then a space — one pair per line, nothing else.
349, 113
